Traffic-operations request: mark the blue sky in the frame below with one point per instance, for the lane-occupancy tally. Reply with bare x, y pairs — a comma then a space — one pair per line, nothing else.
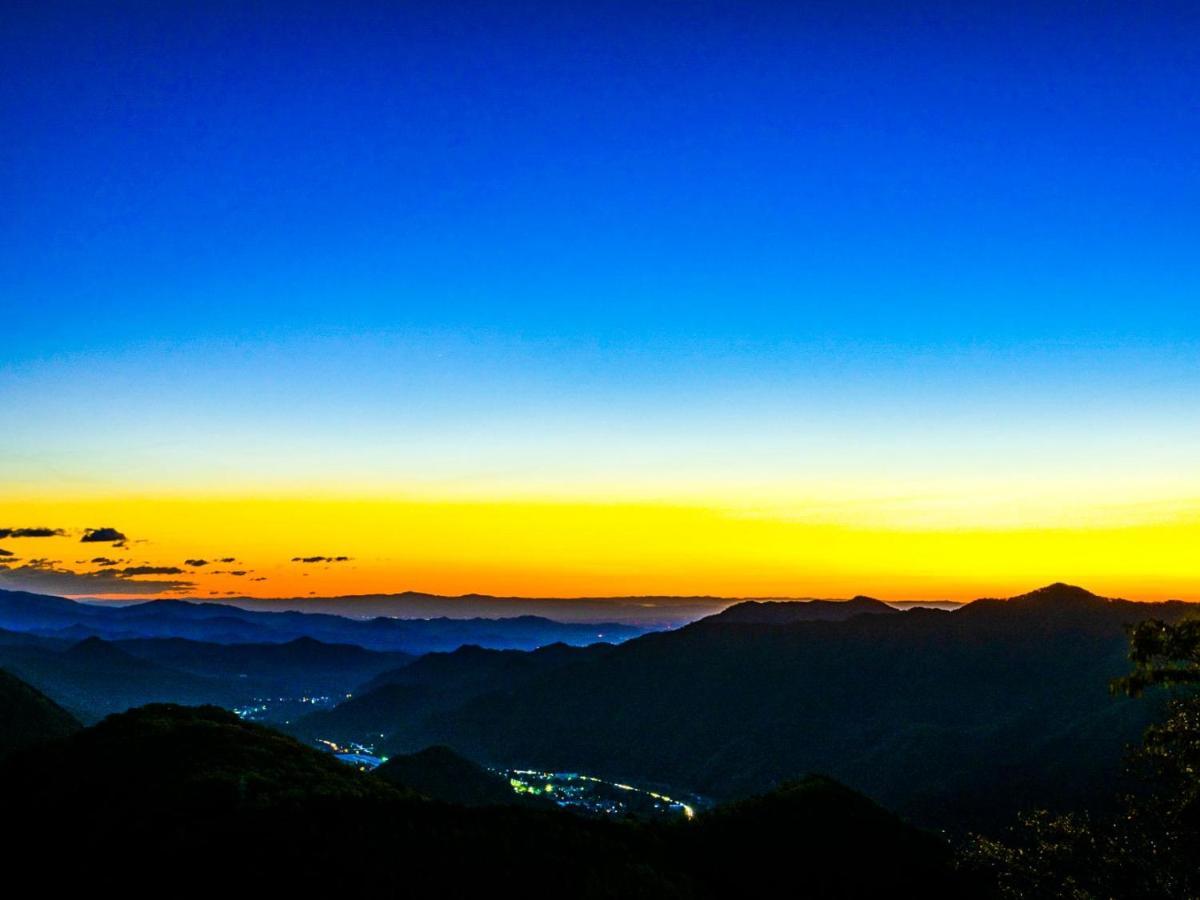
929, 177
493, 245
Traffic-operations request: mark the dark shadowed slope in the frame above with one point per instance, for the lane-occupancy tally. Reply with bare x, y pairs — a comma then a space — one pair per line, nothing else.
433, 682
955, 718
300, 666
195, 802
28, 717
93, 678
441, 774
470, 668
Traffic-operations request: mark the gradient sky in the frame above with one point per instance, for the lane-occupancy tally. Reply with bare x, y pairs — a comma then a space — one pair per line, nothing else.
786, 299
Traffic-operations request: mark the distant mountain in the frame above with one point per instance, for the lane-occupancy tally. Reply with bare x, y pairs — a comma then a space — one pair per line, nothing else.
1070, 606
472, 667
93, 678
28, 717
441, 774
435, 681
958, 719
302, 666
197, 802
785, 612
645, 613
947, 605
217, 623
649, 613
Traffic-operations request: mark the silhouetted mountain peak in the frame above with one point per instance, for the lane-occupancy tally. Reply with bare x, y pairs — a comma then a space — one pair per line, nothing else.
1056, 605
442, 774
786, 612
1060, 594
304, 642
438, 753
94, 648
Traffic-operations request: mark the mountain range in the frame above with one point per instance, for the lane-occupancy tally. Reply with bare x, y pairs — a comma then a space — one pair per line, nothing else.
645, 613
956, 719
227, 624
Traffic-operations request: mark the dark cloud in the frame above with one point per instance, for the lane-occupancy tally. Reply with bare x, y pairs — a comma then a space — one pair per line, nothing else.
46, 576
103, 535
259, 578
4, 552
104, 561
195, 563
320, 559
131, 571
30, 532
227, 559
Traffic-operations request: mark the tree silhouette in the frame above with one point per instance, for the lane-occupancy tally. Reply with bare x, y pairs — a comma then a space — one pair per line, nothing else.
1149, 848
1161, 654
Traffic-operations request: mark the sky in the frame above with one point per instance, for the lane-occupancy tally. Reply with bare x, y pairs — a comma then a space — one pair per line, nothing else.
747, 299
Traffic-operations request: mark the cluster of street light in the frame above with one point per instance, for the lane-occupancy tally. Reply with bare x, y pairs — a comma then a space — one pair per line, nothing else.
592, 794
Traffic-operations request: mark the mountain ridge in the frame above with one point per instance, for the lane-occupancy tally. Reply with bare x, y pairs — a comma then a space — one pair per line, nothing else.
914, 708
220, 623
782, 612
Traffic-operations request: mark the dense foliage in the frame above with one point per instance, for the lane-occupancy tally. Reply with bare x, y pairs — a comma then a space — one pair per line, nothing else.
1148, 848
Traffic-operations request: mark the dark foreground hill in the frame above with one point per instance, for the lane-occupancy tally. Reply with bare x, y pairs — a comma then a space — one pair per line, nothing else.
28, 717
440, 773
175, 801
956, 719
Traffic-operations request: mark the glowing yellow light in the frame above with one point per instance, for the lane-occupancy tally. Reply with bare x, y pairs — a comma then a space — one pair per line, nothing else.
572, 549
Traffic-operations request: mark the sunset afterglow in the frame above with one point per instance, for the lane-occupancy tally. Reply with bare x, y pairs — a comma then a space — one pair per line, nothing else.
466, 318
